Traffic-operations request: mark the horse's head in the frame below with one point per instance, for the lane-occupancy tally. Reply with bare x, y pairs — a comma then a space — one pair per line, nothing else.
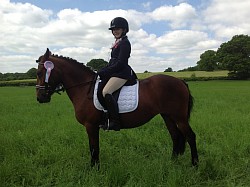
48, 78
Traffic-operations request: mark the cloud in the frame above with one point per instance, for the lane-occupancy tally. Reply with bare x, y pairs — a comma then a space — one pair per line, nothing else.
25, 15
226, 19
178, 16
27, 30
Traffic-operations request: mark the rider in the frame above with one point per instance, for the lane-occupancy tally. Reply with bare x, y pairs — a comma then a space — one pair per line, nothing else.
117, 72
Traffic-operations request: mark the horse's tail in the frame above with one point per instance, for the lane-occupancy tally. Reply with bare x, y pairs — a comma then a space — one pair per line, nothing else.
190, 101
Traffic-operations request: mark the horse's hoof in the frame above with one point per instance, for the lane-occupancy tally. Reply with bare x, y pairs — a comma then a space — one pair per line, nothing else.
195, 162
95, 164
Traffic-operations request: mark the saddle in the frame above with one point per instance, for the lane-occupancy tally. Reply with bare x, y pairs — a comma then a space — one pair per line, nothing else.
127, 97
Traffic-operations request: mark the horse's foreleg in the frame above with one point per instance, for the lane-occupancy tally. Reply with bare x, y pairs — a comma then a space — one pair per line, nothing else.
93, 134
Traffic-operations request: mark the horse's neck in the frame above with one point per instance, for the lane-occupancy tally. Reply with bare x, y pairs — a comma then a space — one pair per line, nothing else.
76, 81
74, 74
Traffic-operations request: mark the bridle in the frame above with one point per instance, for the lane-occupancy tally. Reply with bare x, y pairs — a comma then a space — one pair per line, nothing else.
48, 89
48, 65
59, 88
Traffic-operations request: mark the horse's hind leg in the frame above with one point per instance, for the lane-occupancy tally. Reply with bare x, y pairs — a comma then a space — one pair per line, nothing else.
177, 137
191, 139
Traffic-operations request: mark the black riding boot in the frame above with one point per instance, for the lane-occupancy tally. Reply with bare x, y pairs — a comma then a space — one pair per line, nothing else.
113, 113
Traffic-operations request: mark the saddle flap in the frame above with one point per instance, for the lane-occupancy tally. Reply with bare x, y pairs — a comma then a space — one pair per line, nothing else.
127, 100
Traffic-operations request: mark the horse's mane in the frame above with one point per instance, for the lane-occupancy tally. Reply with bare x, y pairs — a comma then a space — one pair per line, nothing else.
66, 58
71, 60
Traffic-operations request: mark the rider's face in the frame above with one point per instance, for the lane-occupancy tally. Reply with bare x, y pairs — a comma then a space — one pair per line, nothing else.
117, 32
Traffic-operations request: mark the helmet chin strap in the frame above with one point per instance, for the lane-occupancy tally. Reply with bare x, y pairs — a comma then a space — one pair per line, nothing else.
124, 32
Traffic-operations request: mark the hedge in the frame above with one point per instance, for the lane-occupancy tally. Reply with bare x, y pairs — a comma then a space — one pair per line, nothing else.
32, 82
27, 82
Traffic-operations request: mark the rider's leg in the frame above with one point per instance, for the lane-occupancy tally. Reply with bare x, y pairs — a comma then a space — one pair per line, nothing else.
112, 85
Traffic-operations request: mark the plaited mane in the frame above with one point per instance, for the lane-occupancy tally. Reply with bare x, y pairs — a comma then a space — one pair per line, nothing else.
71, 60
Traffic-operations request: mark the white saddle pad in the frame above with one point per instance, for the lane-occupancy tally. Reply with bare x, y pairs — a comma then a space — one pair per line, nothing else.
127, 101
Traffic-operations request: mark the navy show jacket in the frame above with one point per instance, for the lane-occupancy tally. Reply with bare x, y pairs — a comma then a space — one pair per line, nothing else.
118, 64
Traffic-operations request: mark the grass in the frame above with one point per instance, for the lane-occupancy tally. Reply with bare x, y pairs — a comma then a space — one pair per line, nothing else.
43, 145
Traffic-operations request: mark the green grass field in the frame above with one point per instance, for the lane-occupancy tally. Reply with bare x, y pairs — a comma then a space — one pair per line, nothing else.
43, 145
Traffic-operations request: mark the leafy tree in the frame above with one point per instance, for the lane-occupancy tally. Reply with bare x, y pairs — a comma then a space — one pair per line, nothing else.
234, 56
31, 73
97, 64
208, 61
168, 70
18, 76
8, 76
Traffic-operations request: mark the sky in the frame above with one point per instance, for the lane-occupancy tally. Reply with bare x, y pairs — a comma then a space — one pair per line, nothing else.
163, 33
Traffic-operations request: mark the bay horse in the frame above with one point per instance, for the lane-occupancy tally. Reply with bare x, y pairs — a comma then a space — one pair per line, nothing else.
159, 94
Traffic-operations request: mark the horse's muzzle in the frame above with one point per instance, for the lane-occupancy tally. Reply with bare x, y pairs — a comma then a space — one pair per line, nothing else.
43, 99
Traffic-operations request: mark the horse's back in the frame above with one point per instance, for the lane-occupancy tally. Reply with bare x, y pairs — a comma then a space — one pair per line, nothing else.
163, 92
162, 82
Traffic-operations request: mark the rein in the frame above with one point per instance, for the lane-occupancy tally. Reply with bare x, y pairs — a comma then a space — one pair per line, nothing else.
83, 84
80, 84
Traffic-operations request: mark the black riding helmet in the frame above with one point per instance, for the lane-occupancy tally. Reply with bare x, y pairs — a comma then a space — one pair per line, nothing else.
119, 22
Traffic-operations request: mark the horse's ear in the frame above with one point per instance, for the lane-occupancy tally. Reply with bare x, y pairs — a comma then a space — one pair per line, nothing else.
47, 54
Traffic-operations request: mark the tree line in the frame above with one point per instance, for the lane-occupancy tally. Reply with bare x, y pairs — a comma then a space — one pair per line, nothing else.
233, 56
30, 74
